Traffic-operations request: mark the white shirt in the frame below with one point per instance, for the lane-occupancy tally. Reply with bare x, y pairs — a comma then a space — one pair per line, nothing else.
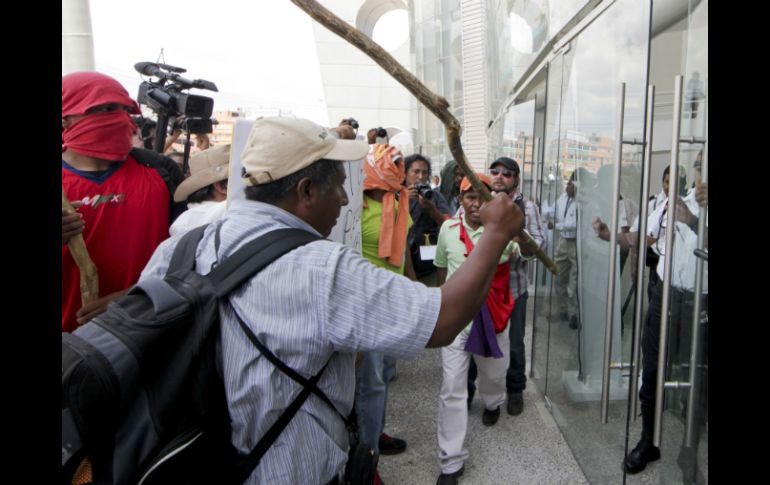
685, 241
566, 216
198, 214
317, 302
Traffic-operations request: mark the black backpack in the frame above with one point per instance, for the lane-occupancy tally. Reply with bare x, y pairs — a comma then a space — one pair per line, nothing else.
143, 399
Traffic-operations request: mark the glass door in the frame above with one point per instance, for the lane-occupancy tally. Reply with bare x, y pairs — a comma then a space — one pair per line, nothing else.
593, 157
681, 417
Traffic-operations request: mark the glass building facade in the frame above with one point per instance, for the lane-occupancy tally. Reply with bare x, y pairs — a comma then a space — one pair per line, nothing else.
613, 92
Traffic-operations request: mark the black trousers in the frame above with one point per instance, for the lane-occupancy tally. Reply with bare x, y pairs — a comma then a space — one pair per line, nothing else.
679, 342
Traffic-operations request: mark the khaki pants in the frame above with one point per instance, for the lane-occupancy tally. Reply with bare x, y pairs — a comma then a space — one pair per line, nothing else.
566, 283
453, 398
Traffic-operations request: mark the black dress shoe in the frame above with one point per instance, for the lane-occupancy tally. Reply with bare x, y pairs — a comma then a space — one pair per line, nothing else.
390, 445
515, 403
450, 478
489, 418
643, 453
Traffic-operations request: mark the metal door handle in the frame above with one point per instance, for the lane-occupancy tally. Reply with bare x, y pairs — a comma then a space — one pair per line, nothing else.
673, 188
613, 255
642, 255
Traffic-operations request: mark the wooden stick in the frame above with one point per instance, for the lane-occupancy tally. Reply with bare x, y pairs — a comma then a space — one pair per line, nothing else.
89, 275
437, 105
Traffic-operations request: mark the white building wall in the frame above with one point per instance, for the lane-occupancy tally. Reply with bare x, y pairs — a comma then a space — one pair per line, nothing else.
475, 92
356, 86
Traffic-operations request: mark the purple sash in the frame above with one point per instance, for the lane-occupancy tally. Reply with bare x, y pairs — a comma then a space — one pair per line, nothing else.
482, 340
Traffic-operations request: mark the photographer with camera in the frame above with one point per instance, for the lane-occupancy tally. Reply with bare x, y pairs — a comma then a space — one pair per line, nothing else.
122, 194
429, 209
350, 129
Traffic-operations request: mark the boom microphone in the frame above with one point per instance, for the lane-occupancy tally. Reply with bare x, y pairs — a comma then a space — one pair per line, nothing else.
149, 69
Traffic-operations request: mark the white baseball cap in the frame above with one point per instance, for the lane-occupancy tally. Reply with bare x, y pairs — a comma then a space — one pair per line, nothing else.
281, 146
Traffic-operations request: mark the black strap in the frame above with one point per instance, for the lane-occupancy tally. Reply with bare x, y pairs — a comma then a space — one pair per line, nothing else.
242, 264
183, 257
254, 256
251, 461
307, 383
248, 463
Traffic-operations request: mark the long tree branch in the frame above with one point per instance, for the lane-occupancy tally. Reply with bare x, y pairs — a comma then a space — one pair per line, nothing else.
437, 105
89, 276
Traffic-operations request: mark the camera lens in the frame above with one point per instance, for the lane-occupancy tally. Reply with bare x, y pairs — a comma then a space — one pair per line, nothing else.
424, 190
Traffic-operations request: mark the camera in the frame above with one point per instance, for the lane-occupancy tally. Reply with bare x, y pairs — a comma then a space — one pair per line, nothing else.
351, 122
166, 99
424, 190
381, 133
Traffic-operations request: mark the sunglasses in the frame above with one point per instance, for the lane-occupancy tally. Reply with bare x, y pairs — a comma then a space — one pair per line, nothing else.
506, 173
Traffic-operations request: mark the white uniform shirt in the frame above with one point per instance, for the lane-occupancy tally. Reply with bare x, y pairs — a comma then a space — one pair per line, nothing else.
685, 241
566, 216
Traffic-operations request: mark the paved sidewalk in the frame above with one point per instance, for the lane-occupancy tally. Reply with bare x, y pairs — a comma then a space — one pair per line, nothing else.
519, 450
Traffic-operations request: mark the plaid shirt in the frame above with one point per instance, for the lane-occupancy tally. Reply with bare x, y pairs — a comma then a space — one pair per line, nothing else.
535, 228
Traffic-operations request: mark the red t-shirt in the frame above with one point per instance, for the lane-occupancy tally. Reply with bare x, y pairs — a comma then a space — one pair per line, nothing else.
126, 217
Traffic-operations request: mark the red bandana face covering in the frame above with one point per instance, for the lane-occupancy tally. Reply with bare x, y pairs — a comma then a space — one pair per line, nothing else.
106, 136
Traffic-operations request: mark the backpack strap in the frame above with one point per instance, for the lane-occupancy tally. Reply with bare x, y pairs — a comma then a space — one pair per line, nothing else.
250, 462
247, 464
254, 256
183, 257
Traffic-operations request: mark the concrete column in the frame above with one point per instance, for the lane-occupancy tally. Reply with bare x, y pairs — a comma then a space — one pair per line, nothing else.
77, 44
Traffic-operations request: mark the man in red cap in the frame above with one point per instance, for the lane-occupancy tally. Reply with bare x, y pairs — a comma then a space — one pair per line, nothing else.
123, 205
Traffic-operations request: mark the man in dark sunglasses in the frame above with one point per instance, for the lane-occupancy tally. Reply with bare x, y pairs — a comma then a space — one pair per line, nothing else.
504, 173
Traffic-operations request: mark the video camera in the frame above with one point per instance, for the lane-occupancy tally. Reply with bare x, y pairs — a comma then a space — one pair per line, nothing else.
166, 99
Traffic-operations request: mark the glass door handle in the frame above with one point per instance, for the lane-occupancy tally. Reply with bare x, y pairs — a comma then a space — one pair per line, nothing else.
673, 188
642, 254
613, 255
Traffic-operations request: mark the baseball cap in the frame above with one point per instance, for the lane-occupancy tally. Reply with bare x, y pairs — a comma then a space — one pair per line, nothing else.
466, 184
508, 163
280, 146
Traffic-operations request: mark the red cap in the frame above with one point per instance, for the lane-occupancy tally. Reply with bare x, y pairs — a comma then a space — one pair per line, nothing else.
466, 184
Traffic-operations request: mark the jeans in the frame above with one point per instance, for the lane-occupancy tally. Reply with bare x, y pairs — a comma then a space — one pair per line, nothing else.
372, 396
515, 377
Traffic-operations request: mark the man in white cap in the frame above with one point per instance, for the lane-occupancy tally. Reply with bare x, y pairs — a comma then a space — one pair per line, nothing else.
322, 302
205, 190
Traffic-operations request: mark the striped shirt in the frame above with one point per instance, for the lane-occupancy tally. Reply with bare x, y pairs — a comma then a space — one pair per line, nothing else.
317, 302
535, 228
